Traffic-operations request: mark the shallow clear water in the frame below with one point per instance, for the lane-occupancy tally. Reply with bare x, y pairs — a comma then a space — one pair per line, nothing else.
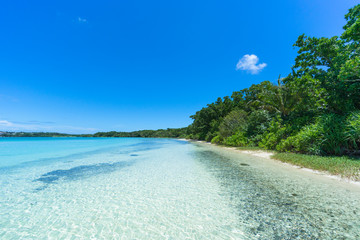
72, 188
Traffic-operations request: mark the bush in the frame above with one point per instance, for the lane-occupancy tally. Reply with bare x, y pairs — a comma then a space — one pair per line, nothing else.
326, 136
210, 136
306, 141
333, 134
216, 140
237, 140
352, 133
275, 133
193, 136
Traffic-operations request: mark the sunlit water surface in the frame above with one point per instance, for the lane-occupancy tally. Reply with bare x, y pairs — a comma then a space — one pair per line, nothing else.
83, 188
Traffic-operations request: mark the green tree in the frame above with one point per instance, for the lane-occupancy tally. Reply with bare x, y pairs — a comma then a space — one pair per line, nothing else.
233, 122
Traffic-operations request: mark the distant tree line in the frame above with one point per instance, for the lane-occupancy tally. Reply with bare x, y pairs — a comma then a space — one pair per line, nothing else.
160, 133
38, 134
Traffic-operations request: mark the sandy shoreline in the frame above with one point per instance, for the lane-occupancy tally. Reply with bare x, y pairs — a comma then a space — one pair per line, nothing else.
268, 156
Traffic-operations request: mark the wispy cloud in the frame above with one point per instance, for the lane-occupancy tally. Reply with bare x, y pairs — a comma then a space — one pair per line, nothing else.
250, 63
82, 20
33, 122
6, 123
36, 126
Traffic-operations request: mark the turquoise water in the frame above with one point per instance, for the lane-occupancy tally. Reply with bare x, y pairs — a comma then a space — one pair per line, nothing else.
133, 188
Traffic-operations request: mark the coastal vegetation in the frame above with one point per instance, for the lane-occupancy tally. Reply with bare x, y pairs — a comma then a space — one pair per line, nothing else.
160, 133
40, 134
343, 166
314, 110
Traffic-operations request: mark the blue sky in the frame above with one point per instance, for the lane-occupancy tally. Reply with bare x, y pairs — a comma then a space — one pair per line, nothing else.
88, 66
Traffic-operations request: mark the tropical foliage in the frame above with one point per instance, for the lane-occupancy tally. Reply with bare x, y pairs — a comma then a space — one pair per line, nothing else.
315, 109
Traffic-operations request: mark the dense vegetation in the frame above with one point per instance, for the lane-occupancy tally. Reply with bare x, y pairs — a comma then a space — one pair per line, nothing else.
314, 110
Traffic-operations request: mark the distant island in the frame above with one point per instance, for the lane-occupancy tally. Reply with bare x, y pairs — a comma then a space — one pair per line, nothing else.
160, 133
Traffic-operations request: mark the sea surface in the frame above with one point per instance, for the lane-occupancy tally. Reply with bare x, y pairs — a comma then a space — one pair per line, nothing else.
135, 188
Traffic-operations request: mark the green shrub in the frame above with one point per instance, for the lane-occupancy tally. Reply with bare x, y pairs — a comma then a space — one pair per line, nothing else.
210, 136
237, 140
333, 134
325, 137
216, 140
275, 133
306, 141
189, 136
352, 133
298, 121
193, 136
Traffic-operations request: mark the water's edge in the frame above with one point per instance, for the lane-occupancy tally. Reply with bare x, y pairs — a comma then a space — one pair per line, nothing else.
267, 156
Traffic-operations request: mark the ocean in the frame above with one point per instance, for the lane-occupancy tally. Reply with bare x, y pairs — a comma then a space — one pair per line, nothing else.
136, 188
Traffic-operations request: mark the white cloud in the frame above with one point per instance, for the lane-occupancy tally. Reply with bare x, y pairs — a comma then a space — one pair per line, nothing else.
6, 123
82, 20
250, 63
